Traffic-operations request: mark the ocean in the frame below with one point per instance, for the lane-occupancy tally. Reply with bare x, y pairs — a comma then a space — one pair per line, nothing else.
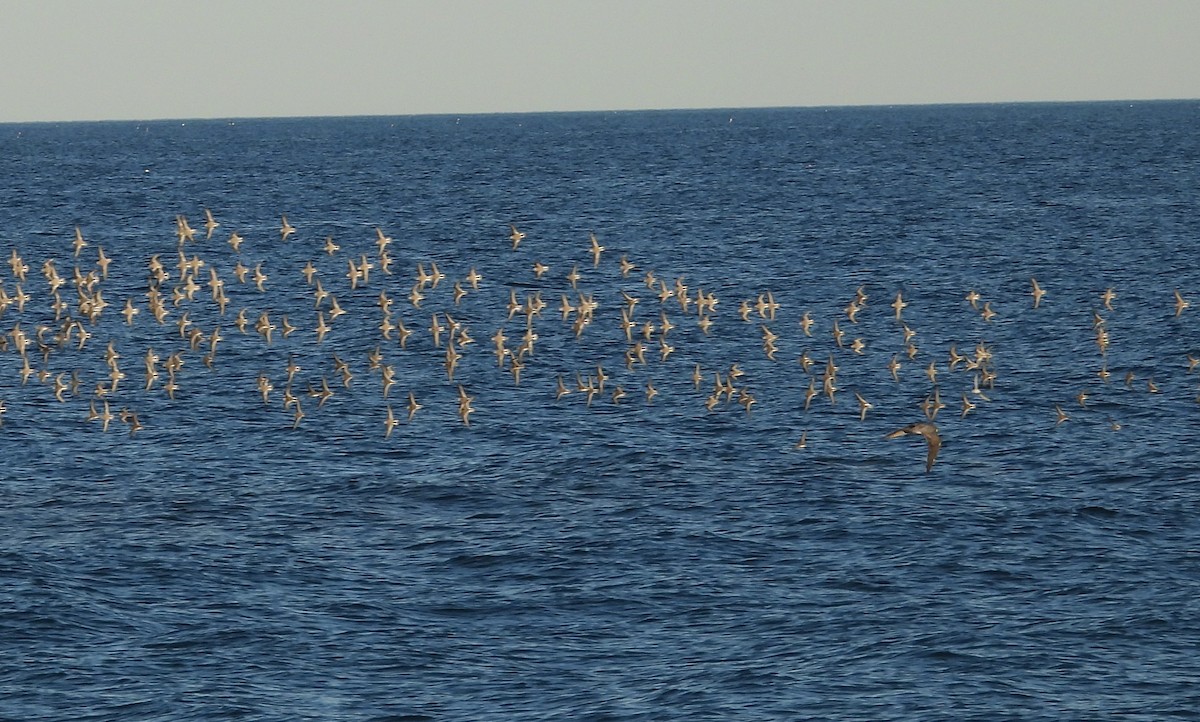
204, 523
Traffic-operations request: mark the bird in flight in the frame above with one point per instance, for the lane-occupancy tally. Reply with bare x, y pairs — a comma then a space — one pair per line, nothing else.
926, 430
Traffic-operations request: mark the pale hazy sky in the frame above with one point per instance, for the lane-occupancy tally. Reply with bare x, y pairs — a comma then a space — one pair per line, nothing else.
143, 59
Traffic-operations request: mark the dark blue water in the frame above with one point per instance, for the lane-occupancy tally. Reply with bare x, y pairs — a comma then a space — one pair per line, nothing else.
632, 560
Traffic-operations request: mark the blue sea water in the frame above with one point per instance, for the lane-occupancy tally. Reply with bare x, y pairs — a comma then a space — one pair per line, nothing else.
612, 561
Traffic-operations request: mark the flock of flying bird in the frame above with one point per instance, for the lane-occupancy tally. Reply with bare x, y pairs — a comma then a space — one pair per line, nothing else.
187, 301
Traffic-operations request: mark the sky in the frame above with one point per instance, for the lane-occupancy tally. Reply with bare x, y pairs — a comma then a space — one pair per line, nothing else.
151, 59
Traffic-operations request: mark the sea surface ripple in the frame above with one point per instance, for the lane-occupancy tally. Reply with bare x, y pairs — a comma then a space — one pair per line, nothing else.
557, 560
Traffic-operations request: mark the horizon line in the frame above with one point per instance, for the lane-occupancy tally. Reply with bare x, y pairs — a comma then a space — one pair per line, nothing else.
597, 111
